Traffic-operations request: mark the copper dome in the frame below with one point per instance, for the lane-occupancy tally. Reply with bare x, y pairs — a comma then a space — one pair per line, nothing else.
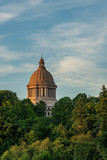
41, 76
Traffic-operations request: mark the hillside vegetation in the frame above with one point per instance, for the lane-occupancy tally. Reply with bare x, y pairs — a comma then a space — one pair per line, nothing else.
76, 131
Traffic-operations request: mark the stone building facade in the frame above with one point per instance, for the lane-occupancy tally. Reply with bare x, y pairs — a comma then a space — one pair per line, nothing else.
42, 87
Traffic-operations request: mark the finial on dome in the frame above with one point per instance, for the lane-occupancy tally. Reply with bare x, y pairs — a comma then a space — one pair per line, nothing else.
41, 63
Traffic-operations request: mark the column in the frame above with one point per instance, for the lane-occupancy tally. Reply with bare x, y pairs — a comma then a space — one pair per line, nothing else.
55, 92
45, 92
37, 89
52, 91
36, 92
30, 92
42, 92
27, 92
39, 92
48, 92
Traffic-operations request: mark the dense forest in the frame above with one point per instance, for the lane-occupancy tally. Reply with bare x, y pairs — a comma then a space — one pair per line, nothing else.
76, 131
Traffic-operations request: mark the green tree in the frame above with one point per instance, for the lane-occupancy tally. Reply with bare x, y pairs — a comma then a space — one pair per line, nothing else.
79, 118
82, 96
62, 150
42, 127
91, 119
62, 111
102, 119
40, 108
85, 151
59, 131
45, 155
6, 95
25, 156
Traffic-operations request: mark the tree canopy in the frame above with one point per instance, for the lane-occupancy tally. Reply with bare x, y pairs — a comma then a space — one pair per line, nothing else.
77, 130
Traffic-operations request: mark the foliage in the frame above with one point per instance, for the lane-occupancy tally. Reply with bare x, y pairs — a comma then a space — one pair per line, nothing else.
62, 111
40, 108
76, 131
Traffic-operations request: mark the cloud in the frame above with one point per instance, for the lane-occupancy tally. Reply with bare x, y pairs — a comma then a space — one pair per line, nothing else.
73, 38
74, 64
2, 36
6, 69
12, 10
5, 17
79, 71
51, 6
77, 52
7, 55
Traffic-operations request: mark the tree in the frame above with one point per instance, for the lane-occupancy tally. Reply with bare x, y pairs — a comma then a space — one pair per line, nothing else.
6, 95
62, 150
103, 108
62, 111
42, 127
40, 108
45, 155
25, 156
91, 114
59, 131
102, 119
82, 96
79, 118
85, 151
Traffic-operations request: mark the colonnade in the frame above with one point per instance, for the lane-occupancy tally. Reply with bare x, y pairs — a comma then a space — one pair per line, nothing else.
42, 92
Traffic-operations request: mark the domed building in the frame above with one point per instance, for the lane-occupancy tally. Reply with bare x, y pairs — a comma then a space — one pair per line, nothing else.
42, 87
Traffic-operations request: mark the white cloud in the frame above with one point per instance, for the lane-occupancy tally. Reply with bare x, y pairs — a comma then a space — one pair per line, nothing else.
79, 73
73, 38
78, 50
8, 55
50, 6
12, 10
2, 36
6, 69
74, 64
5, 17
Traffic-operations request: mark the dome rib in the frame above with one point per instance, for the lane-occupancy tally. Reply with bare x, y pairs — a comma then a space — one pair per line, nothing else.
41, 77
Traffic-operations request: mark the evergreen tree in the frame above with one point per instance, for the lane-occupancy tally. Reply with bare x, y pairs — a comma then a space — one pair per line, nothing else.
79, 118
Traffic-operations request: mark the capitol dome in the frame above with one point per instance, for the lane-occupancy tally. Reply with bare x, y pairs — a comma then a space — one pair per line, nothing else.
42, 86
41, 76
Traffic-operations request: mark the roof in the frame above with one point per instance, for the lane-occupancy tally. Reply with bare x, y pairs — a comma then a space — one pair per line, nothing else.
41, 76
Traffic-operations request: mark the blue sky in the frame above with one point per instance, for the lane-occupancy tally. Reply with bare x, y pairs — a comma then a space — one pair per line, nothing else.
70, 34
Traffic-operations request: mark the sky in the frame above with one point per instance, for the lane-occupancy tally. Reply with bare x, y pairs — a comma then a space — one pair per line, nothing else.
71, 35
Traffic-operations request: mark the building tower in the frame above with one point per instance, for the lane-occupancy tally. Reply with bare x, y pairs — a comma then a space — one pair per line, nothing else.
42, 87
